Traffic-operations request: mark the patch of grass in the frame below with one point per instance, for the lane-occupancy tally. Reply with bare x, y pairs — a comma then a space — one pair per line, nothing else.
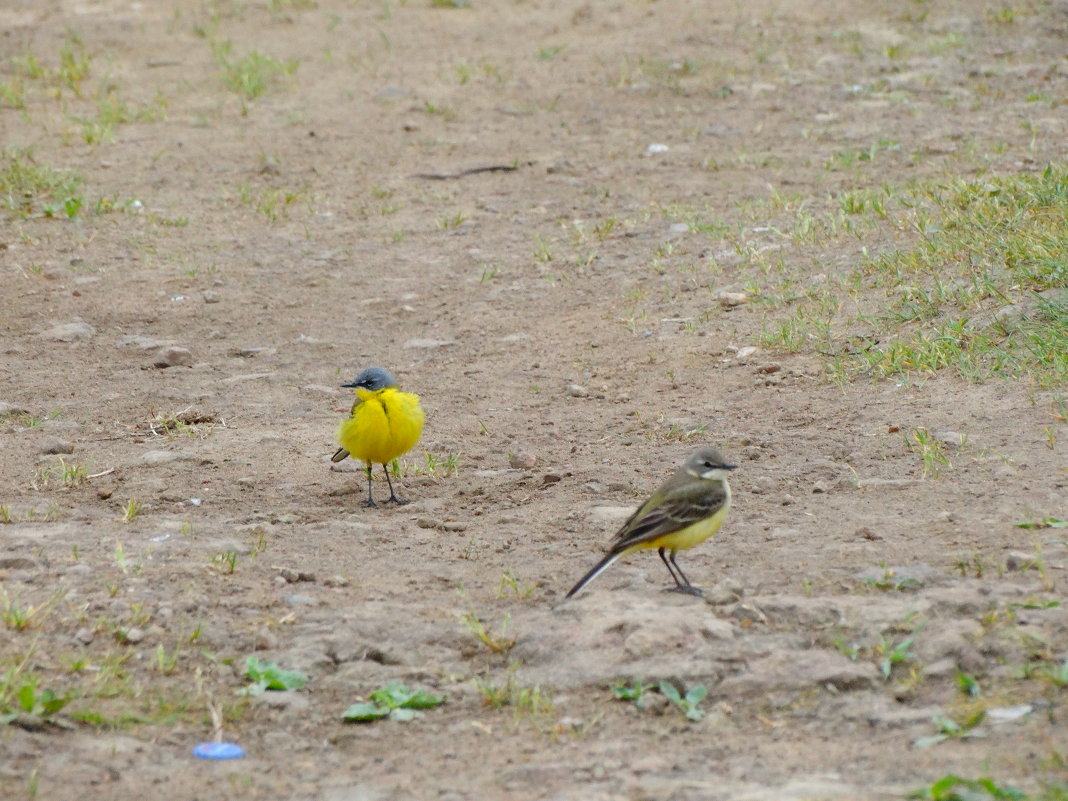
981, 243
511, 587
131, 510
498, 643
888, 581
272, 203
27, 187
253, 74
394, 701
529, 701
954, 788
18, 617
225, 562
893, 654
69, 475
931, 450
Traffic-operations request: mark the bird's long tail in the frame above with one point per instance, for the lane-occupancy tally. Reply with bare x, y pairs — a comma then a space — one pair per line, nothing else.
597, 570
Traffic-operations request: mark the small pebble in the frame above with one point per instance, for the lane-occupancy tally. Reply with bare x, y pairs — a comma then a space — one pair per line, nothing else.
211, 296
746, 352
578, 391
69, 332
173, 356
54, 445
767, 369
455, 525
1019, 560
428, 522
336, 581
521, 460
134, 635
728, 300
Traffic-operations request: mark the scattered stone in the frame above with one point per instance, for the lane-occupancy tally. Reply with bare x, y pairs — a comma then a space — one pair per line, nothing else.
952, 439
799, 670
551, 478
902, 576
727, 591
282, 700
747, 351
428, 343
211, 296
85, 635
885, 483
679, 228
768, 369
819, 487
133, 635
1006, 714
1020, 560
296, 599
153, 458
747, 614
55, 445
75, 331
18, 563
942, 669
248, 353
728, 300
521, 460
138, 342
610, 516
173, 356
292, 576
578, 391
455, 525
428, 522
10, 409
762, 484
336, 581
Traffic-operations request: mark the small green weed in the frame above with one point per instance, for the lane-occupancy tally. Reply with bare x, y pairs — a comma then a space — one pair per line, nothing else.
131, 510
688, 704
949, 729
394, 701
269, 676
498, 643
955, 788
225, 562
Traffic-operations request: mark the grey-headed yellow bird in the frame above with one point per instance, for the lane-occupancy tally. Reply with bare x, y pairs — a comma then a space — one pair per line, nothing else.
683, 512
383, 424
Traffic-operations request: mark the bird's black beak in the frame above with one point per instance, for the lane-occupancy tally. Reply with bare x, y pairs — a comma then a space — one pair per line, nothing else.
350, 385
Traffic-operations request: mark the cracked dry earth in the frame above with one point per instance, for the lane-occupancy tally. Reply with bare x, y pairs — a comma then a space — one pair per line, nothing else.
171, 355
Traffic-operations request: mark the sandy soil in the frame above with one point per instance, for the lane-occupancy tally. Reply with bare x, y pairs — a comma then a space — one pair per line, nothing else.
568, 323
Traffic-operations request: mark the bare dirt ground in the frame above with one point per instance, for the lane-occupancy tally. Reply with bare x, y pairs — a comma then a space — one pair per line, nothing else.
256, 213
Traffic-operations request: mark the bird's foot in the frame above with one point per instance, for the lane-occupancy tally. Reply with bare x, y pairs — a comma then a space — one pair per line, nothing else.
396, 500
686, 589
369, 503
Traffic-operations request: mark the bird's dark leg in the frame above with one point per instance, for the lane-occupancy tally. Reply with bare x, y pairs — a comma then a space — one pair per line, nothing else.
667, 564
680, 586
392, 496
370, 495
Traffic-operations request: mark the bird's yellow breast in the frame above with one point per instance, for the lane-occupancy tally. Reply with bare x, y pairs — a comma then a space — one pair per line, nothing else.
383, 425
695, 533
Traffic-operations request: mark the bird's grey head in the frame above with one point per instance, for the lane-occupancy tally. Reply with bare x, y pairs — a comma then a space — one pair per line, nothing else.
373, 379
708, 463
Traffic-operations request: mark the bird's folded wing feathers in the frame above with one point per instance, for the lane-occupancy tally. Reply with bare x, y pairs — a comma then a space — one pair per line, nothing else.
673, 513
339, 454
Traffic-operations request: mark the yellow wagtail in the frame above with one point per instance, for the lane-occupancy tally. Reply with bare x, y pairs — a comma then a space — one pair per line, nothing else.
684, 511
383, 424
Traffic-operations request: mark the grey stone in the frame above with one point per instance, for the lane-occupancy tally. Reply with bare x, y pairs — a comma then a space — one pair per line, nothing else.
138, 342
75, 331
577, 391
55, 445
521, 460
173, 356
800, 670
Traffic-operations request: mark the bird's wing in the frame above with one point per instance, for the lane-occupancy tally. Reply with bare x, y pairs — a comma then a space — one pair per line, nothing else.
679, 509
